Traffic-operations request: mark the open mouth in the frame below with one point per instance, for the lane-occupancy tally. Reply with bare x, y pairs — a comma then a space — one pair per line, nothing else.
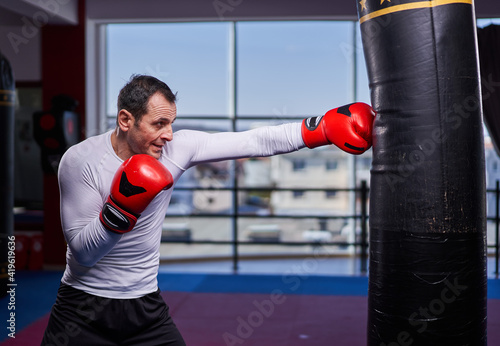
157, 148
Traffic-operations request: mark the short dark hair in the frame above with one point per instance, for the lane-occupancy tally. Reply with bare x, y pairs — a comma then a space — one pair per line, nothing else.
134, 96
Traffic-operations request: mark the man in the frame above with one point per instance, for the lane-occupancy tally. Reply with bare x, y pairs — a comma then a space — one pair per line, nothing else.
115, 189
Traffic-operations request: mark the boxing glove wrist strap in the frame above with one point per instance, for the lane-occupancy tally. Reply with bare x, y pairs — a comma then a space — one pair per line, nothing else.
312, 132
116, 219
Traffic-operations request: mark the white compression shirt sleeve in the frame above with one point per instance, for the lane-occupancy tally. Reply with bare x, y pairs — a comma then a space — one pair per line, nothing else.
259, 142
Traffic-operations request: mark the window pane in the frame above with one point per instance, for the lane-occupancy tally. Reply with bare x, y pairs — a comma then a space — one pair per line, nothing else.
195, 229
292, 68
362, 83
192, 58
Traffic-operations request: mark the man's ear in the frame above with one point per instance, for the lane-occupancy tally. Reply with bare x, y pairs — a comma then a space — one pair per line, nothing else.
125, 120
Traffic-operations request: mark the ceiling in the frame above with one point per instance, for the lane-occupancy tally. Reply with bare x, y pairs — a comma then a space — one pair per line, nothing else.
64, 12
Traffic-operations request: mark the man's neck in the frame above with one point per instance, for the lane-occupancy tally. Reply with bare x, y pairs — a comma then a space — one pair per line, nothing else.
120, 145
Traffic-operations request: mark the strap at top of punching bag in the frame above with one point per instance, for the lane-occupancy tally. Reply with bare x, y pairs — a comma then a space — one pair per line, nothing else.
372, 9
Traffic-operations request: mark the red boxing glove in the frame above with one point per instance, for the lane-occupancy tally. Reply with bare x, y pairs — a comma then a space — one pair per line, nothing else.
135, 184
348, 127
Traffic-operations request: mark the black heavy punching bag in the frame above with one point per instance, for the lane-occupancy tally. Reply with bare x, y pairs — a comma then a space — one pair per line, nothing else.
427, 279
7, 96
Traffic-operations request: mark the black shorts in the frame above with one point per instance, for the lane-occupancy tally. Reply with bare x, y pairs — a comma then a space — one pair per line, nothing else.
78, 318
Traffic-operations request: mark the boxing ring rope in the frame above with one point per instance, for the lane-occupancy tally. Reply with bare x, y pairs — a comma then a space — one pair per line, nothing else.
362, 216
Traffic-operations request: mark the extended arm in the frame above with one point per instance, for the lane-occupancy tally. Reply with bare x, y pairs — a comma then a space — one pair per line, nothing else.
348, 127
260, 142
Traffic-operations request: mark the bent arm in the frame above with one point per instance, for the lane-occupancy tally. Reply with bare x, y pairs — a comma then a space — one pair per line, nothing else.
81, 204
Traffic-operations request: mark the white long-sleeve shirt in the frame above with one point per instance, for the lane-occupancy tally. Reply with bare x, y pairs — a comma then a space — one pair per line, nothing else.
125, 266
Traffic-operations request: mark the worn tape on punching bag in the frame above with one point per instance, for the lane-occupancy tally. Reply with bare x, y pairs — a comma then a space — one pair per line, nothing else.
427, 283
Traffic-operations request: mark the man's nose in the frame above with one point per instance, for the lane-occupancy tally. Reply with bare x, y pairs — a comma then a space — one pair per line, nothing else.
168, 133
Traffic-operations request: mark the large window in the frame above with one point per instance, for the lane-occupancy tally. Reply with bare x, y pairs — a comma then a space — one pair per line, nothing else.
234, 76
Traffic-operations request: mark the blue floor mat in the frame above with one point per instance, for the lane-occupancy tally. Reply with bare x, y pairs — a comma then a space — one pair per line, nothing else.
34, 294
287, 284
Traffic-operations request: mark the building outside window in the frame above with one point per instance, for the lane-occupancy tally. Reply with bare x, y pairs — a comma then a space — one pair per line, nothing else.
331, 165
299, 165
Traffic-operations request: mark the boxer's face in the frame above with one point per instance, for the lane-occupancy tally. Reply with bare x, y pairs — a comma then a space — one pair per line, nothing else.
154, 129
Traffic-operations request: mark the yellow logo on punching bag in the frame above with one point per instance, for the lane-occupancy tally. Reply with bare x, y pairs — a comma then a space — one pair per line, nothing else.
7, 98
368, 9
